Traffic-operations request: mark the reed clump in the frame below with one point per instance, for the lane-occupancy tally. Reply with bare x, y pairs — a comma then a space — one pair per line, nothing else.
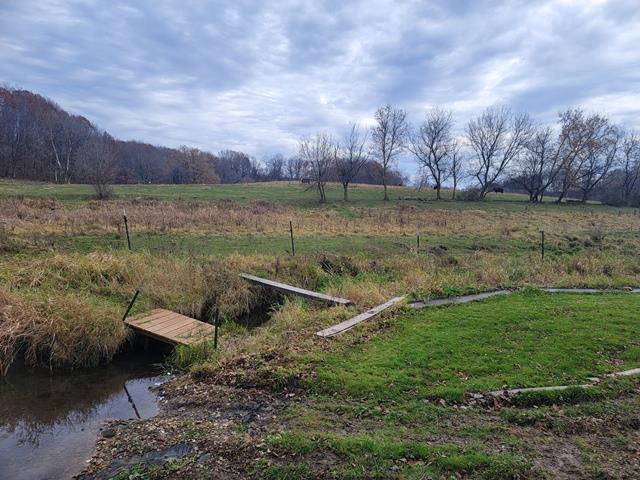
58, 329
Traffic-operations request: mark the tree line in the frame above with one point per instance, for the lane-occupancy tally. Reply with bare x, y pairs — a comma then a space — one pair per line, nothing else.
582, 157
41, 141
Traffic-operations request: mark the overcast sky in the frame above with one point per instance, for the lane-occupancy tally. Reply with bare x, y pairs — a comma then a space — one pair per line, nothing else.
255, 76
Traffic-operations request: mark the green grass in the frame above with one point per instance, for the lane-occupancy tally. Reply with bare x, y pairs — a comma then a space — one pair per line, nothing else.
289, 193
516, 341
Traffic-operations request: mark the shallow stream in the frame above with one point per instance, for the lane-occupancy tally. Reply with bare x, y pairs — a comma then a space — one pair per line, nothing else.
49, 422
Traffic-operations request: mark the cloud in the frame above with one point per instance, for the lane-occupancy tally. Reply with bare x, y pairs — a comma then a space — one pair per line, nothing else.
256, 76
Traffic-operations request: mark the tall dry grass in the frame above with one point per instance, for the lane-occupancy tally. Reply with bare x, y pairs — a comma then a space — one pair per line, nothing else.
225, 217
59, 329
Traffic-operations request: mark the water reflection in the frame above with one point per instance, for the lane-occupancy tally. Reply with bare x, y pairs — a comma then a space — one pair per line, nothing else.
48, 423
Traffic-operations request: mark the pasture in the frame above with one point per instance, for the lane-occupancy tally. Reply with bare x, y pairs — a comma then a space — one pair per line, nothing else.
403, 395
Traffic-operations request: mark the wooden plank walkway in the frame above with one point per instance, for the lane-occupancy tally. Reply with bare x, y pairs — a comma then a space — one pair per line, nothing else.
171, 327
352, 322
289, 289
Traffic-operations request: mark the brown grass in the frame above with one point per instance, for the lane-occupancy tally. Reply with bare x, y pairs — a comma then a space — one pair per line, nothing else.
58, 330
33, 216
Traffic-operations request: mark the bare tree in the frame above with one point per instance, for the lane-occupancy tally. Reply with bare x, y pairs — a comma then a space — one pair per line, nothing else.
599, 155
630, 163
433, 144
275, 167
318, 153
457, 166
539, 165
294, 166
388, 136
66, 135
350, 157
99, 156
496, 137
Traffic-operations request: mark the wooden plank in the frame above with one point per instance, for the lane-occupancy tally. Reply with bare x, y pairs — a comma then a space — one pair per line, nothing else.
153, 315
289, 289
463, 299
158, 322
516, 391
167, 328
171, 327
348, 324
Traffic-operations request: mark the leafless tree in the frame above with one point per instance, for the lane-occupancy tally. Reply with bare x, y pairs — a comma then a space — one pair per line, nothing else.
599, 155
294, 167
432, 145
66, 135
350, 157
318, 153
574, 138
457, 166
275, 167
388, 136
630, 164
497, 137
99, 156
539, 165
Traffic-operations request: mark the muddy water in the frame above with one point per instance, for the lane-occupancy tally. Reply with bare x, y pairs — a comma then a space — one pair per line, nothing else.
49, 423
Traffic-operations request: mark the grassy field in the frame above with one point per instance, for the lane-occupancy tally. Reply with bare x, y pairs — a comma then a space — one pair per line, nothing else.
393, 398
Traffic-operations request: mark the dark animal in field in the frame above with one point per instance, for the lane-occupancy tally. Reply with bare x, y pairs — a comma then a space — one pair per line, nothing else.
498, 190
306, 180
436, 187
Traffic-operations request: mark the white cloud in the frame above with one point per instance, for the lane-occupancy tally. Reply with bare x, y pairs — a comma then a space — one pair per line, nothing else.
257, 76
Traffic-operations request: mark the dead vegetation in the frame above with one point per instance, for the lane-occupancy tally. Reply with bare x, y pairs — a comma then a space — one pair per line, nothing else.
225, 217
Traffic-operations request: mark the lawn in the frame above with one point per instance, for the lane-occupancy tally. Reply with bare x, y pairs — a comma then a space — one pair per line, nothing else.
522, 340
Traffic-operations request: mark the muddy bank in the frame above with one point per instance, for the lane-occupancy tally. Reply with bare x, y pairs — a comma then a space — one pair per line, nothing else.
210, 430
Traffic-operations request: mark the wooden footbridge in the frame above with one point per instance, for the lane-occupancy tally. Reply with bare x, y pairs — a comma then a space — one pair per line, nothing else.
171, 327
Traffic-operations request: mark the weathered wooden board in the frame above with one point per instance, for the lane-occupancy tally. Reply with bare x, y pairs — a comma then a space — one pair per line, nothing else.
463, 299
516, 391
171, 327
348, 324
284, 288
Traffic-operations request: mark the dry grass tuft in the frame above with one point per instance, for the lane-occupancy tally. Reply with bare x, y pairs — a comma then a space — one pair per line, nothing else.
58, 330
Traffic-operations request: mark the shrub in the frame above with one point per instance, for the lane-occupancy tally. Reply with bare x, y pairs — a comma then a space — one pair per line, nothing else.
470, 195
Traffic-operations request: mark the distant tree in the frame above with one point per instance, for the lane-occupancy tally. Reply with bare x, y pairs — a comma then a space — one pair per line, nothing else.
539, 165
275, 167
66, 135
99, 155
432, 144
318, 153
388, 137
235, 167
190, 165
576, 134
457, 167
294, 167
599, 156
630, 165
496, 137
350, 157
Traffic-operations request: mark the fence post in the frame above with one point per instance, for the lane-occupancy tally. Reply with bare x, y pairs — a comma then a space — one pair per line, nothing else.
133, 300
293, 247
418, 242
215, 332
542, 245
126, 228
